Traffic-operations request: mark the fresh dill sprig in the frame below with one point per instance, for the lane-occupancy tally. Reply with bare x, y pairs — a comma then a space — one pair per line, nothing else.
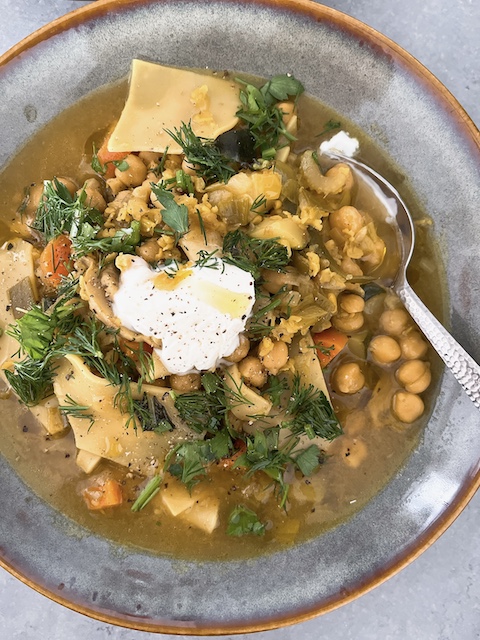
209, 260
60, 212
74, 409
275, 389
31, 380
253, 254
311, 413
210, 164
258, 203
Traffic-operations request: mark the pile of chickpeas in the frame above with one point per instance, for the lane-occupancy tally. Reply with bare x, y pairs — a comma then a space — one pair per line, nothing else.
398, 348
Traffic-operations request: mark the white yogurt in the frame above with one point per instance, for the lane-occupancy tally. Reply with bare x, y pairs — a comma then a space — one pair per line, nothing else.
198, 312
341, 143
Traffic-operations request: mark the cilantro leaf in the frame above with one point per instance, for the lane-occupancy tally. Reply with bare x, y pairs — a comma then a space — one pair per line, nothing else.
309, 459
283, 86
244, 521
188, 461
174, 215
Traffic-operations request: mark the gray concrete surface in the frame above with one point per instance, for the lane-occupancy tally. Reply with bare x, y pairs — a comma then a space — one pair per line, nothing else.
438, 596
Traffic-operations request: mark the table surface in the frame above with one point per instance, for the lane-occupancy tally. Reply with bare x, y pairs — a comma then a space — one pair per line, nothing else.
438, 596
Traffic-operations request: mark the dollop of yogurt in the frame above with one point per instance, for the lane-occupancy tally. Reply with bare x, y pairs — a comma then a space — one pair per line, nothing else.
341, 143
198, 311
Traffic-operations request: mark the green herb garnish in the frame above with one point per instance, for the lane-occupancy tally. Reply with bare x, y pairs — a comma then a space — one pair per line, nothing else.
331, 125
210, 164
311, 413
74, 409
243, 520
174, 215
31, 379
253, 254
59, 212
151, 414
262, 115
150, 491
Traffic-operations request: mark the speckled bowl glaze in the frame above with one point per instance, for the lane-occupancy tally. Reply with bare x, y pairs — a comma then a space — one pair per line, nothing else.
377, 85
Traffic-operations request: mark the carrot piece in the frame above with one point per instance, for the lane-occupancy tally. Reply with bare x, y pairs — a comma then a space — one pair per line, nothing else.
135, 350
103, 495
106, 157
329, 344
54, 261
240, 448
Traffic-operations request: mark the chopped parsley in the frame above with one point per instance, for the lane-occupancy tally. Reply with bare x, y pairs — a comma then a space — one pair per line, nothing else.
242, 521
174, 215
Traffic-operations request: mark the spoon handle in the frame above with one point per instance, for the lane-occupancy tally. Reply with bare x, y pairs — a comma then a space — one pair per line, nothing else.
462, 365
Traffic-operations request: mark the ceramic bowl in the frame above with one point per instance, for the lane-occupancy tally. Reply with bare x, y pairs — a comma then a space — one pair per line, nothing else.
412, 118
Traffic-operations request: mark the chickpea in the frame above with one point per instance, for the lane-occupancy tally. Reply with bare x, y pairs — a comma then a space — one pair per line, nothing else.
115, 185
275, 359
186, 383
414, 375
241, 351
148, 250
413, 346
69, 183
394, 321
33, 201
408, 407
253, 371
351, 303
348, 378
348, 322
135, 174
189, 169
94, 197
347, 220
384, 349
149, 157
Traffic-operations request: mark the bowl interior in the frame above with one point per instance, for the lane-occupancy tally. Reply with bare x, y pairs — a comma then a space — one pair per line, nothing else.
374, 84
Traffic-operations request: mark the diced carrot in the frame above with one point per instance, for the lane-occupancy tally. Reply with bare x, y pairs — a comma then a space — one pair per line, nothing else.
134, 350
103, 495
329, 344
55, 261
240, 448
106, 157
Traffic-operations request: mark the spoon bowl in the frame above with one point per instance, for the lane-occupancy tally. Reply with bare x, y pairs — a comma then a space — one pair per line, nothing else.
460, 363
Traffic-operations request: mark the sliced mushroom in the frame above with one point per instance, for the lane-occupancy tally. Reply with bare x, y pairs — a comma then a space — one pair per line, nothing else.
97, 288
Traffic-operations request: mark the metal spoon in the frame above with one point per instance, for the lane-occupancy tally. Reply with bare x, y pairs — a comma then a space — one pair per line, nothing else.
460, 363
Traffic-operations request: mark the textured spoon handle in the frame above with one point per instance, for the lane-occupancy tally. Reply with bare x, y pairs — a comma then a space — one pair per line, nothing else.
463, 366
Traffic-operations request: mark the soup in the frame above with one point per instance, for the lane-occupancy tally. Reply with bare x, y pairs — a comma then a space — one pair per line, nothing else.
212, 363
